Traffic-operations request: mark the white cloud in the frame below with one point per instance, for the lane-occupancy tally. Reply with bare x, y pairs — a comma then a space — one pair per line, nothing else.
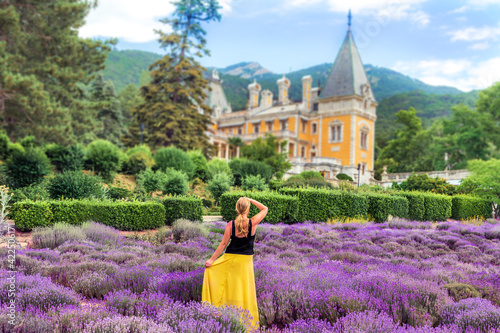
132, 20
475, 34
386, 9
480, 46
460, 73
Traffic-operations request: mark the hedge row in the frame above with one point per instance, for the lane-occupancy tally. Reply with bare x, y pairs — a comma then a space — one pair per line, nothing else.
322, 204
380, 206
282, 208
466, 206
428, 206
184, 207
119, 215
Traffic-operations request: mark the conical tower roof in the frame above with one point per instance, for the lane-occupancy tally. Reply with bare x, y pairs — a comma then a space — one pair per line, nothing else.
347, 76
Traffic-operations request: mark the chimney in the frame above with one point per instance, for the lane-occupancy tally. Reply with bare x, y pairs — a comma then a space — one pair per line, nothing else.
266, 99
306, 92
283, 85
253, 89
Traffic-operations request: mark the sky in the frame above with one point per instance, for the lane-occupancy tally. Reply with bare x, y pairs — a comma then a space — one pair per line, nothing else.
441, 42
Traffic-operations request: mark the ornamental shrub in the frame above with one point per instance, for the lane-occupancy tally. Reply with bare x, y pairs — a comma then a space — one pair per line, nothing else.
465, 206
200, 165
117, 193
35, 192
400, 207
217, 165
138, 159
182, 207
219, 184
56, 235
117, 214
256, 182
184, 230
343, 176
459, 291
66, 158
104, 158
150, 181
175, 158
27, 167
75, 185
282, 208
175, 183
242, 167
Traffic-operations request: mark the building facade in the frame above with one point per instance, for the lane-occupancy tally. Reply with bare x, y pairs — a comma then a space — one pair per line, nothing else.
332, 130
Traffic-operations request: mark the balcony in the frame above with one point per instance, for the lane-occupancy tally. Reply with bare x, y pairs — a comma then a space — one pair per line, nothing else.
285, 134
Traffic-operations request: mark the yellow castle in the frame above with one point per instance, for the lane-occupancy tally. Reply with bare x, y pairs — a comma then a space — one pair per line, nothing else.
332, 130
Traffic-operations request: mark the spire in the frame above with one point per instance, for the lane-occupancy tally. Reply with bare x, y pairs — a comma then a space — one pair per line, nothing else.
347, 76
349, 18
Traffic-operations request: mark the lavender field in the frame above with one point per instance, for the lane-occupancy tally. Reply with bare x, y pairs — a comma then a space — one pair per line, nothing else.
399, 276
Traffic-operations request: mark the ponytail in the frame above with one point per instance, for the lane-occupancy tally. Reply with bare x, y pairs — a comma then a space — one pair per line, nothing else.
238, 223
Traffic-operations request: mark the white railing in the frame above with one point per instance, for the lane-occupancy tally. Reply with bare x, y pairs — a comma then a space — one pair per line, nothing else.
285, 134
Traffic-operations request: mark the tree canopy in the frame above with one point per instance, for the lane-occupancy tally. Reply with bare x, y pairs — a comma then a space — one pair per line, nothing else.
45, 67
174, 111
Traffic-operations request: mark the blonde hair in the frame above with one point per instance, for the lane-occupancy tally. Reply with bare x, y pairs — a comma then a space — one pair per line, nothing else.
242, 206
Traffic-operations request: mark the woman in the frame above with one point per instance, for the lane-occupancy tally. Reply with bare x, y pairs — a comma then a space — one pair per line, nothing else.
230, 280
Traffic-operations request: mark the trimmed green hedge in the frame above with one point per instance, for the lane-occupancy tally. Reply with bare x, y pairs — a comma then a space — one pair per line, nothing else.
282, 208
437, 207
182, 207
416, 204
322, 204
465, 206
400, 207
379, 206
428, 206
120, 215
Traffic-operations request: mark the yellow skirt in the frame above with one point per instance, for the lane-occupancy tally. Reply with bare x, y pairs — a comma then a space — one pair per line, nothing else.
230, 281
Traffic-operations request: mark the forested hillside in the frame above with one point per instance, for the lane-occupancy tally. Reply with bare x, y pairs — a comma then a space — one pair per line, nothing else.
393, 91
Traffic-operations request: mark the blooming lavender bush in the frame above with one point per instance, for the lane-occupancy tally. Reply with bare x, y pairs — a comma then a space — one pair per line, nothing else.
399, 276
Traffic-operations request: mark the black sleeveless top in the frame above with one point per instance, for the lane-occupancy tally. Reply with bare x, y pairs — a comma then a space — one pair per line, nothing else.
243, 245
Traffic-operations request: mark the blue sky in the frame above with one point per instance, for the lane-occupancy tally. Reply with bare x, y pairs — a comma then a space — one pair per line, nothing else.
454, 43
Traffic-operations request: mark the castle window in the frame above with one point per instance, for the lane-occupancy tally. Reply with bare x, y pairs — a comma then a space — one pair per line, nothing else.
335, 133
240, 130
256, 128
284, 124
303, 151
304, 126
314, 128
269, 126
363, 142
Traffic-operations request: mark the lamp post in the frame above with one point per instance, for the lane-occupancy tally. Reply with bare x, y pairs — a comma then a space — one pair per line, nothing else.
142, 133
359, 170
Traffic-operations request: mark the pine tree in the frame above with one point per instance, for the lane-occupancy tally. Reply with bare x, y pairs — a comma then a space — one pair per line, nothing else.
108, 110
174, 112
45, 67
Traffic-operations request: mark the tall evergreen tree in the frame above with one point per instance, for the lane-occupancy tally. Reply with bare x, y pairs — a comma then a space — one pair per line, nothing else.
108, 110
44, 67
174, 112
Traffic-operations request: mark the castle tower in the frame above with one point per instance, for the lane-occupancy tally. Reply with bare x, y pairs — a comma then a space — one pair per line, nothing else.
283, 86
266, 99
348, 111
306, 92
254, 90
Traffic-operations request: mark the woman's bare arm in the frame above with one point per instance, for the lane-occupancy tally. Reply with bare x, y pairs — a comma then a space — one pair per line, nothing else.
221, 247
260, 216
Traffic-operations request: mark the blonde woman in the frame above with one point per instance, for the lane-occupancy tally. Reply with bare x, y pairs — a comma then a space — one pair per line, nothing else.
230, 279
